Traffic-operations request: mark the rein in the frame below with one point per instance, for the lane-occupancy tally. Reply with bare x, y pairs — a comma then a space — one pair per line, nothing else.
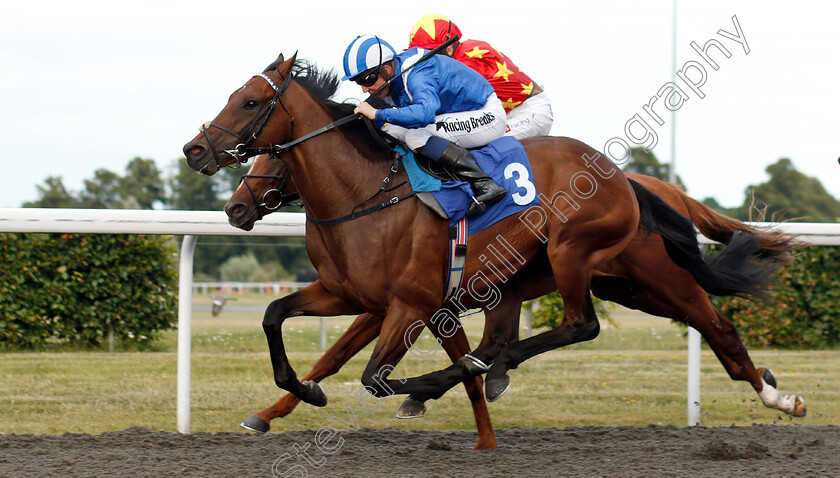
244, 149
277, 149
395, 165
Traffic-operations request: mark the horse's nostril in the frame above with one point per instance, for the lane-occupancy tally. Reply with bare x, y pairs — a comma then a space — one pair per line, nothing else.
236, 209
193, 150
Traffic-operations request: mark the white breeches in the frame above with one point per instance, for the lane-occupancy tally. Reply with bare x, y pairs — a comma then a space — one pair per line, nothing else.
532, 118
468, 129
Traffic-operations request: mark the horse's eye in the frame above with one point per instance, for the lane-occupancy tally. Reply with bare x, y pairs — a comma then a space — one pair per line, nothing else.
251, 104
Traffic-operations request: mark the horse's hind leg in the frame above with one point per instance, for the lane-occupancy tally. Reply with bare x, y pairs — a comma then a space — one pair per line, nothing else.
580, 323
456, 347
361, 332
400, 330
501, 326
723, 339
672, 292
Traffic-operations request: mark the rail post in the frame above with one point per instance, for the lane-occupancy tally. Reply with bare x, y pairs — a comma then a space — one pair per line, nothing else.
185, 277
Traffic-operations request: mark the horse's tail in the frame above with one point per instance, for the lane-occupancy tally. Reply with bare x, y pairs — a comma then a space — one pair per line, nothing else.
772, 245
731, 272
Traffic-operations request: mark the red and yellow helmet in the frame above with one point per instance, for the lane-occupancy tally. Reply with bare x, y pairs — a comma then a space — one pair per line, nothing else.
431, 31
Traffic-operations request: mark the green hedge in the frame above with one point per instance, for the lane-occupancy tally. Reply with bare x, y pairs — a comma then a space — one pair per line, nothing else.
804, 308
74, 288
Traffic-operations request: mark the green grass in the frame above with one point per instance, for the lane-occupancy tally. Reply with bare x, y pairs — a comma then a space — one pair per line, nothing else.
634, 374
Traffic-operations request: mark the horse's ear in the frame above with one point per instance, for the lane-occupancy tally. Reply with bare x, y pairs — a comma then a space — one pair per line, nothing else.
285, 68
274, 64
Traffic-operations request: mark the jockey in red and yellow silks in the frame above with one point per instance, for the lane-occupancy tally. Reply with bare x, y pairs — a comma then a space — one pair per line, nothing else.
526, 104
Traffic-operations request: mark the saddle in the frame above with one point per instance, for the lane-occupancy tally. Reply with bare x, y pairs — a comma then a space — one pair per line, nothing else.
394, 146
504, 160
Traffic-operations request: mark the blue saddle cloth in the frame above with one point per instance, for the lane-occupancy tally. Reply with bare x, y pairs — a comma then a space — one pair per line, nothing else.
505, 161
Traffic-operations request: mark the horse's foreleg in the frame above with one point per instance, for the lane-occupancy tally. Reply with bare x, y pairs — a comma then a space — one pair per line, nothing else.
360, 333
311, 300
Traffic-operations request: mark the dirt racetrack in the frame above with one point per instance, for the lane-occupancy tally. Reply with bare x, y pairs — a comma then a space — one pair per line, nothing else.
652, 451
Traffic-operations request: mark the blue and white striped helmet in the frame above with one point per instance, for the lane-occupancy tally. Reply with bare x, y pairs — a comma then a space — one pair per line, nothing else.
364, 53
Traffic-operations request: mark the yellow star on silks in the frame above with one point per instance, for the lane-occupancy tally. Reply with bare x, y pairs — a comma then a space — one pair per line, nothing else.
509, 104
527, 89
503, 71
427, 23
476, 53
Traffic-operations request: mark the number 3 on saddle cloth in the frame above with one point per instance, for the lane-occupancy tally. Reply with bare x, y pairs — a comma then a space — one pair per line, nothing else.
505, 161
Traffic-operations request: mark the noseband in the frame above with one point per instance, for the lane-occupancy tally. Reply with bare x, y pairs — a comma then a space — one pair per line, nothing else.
246, 138
262, 207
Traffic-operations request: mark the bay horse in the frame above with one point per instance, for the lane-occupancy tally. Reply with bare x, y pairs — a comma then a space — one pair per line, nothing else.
624, 279
392, 264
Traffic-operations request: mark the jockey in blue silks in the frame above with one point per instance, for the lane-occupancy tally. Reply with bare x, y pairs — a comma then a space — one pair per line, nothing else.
440, 108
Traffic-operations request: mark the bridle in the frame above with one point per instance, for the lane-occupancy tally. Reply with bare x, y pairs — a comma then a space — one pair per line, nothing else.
263, 206
244, 150
246, 138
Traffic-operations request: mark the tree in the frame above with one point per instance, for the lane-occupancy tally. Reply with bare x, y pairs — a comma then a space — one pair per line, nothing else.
790, 193
645, 162
140, 188
142, 184
53, 194
101, 192
270, 272
192, 191
239, 268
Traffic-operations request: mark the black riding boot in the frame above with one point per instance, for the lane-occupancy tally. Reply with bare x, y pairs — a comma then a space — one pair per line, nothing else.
463, 165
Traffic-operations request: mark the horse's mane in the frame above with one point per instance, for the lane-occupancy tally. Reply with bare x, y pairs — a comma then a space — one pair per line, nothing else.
323, 85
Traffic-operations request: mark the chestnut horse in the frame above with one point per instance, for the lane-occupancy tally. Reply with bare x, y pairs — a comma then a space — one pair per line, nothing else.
392, 264
267, 187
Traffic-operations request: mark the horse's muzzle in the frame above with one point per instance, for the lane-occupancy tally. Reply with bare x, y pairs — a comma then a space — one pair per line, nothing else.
240, 215
199, 160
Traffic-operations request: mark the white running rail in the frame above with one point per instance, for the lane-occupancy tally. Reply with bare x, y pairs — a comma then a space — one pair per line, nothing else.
192, 223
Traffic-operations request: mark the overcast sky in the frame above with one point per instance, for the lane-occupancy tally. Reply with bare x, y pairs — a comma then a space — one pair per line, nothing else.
88, 84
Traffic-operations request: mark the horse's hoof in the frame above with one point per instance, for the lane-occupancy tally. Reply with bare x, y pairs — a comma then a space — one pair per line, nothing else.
255, 424
486, 443
768, 376
495, 387
314, 393
799, 409
411, 408
473, 366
